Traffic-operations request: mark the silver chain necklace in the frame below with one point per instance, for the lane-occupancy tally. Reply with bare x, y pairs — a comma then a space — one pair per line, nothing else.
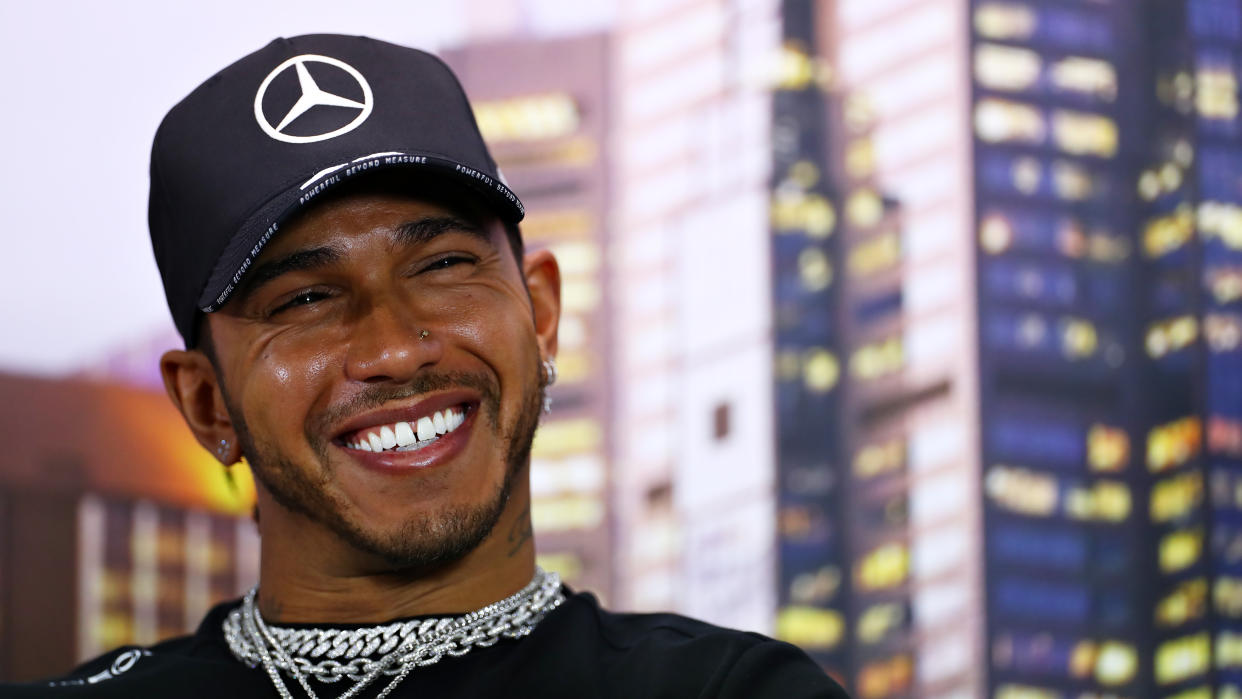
363, 654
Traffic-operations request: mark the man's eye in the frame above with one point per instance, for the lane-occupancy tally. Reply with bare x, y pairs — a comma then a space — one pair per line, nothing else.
446, 262
304, 298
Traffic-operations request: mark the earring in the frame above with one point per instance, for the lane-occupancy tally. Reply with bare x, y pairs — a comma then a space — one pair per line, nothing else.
222, 450
423, 335
549, 373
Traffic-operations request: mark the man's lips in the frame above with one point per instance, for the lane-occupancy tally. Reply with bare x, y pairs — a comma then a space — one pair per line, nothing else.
407, 428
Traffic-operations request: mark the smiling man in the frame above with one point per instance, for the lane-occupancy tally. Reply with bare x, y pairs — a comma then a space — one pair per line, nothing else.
364, 328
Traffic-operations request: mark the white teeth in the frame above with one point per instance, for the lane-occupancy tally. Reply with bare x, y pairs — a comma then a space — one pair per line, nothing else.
455, 419
438, 421
364, 445
376, 443
426, 430
405, 434
387, 437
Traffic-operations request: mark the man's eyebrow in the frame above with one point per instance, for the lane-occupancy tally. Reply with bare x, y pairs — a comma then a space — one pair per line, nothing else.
424, 229
302, 260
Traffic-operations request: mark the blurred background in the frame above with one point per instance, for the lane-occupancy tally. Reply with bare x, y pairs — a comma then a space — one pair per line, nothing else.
904, 330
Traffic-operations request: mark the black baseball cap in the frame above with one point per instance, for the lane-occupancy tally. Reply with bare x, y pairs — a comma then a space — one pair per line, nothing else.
268, 135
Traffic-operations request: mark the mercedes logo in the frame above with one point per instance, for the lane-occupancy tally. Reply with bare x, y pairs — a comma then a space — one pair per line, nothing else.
312, 96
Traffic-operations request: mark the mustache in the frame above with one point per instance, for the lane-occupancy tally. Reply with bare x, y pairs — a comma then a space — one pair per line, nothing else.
374, 396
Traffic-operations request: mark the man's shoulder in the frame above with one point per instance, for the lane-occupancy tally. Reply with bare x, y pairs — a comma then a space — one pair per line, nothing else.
664, 650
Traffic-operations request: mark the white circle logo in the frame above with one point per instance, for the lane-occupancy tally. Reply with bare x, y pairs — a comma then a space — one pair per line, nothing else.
312, 96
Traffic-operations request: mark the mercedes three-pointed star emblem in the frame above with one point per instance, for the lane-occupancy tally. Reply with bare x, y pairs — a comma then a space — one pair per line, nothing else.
312, 96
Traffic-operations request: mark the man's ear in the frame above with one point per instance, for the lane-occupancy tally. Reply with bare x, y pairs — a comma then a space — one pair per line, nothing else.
192, 384
543, 280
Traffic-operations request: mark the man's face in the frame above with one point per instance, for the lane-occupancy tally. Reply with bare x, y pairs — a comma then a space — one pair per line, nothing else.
381, 368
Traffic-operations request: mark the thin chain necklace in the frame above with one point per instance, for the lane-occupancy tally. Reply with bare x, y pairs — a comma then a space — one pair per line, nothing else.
363, 654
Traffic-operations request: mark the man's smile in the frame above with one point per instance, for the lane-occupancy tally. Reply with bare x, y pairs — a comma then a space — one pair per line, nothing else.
408, 436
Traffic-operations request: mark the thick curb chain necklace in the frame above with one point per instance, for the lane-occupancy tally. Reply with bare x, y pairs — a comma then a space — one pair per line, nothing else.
363, 654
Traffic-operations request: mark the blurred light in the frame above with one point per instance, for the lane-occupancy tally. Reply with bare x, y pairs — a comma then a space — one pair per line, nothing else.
860, 158
1216, 93
1223, 332
810, 627
1081, 133
1002, 121
567, 563
877, 359
1005, 20
1072, 182
1078, 338
880, 458
527, 118
878, 620
1086, 75
1228, 650
815, 587
995, 234
1175, 497
1021, 490
864, 208
1107, 248
1108, 448
804, 174
814, 269
1183, 152
1149, 185
1165, 234
1116, 663
1182, 658
1171, 335
1105, 501
1173, 444
885, 567
1180, 549
1171, 177
579, 295
1227, 596
1224, 436
556, 438
820, 370
874, 255
1223, 221
1187, 602
1006, 67
1022, 691
802, 212
567, 513
884, 678
795, 69
1224, 283
859, 115
1027, 174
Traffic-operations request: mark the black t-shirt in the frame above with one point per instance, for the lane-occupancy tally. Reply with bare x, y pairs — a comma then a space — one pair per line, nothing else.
579, 650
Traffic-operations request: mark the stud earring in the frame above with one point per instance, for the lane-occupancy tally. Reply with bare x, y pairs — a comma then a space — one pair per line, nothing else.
223, 449
423, 335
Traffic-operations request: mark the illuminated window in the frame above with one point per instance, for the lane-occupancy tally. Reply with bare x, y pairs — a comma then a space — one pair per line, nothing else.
1228, 649
1223, 332
860, 158
1116, 663
1006, 68
814, 269
820, 370
1173, 444
1087, 76
884, 457
864, 208
1227, 596
1081, 133
795, 211
874, 255
1182, 658
795, 69
1224, 436
878, 359
1187, 602
1005, 20
529, 118
1025, 691
995, 233
1022, 490
1105, 501
815, 587
1078, 338
885, 567
1108, 448
1180, 549
883, 678
1166, 234
1172, 335
810, 627
1224, 284
1176, 497
878, 621
1221, 221
1002, 121
1216, 93
1071, 181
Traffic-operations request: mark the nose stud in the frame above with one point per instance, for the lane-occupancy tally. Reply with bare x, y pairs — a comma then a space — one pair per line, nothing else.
423, 335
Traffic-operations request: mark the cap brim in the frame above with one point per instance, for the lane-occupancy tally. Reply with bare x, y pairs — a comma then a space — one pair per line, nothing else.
259, 228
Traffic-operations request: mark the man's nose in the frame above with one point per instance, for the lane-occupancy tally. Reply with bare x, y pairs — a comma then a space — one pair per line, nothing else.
388, 344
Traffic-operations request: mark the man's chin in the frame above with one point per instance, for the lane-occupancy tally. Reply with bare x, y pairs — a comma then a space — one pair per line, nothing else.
428, 542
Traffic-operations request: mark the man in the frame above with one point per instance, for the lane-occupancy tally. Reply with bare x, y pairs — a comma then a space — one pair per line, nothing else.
362, 325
